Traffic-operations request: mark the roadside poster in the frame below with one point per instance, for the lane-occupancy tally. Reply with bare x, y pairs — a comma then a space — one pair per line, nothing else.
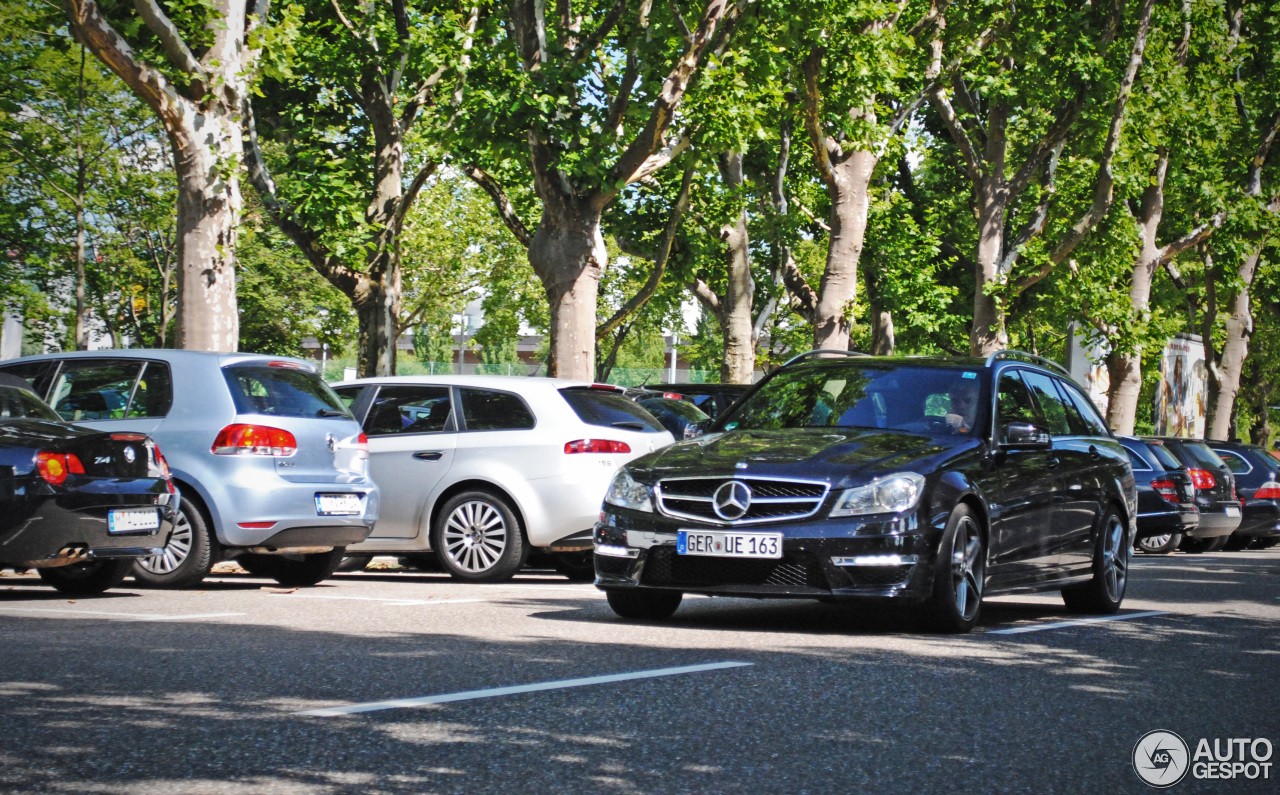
1180, 395
1086, 361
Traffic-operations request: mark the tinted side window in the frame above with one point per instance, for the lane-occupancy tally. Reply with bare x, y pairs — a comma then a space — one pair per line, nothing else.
1013, 403
154, 394
410, 409
1167, 459
1055, 413
1200, 453
1136, 462
16, 404
348, 394
37, 373
1087, 410
94, 389
282, 392
483, 410
608, 409
1235, 462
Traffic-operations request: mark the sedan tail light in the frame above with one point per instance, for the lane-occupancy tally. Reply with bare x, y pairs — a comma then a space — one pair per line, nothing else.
596, 446
1268, 491
240, 439
1202, 478
54, 467
1167, 489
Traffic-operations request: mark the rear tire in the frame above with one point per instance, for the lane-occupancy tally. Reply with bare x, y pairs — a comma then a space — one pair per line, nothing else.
189, 553
1105, 592
87, 579
1237, 542
644, 605
960, 578
1160, 545
355, 563
477, 538
577, 566
294, 571
1264, 543
421, 562
1197, 546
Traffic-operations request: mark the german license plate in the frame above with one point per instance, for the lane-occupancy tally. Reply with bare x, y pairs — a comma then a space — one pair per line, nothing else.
338, 504
720, 544
1233, 510
132, 520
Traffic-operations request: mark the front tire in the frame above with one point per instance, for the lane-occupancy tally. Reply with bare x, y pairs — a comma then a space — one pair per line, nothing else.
1104, 593
577, 566
644, 605
294, 571
1197, 546
477, 538
189, 553
1160, 545
961, 574
1236, 542
87, 579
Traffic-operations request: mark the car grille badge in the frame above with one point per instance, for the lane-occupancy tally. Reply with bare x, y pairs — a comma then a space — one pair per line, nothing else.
732, 500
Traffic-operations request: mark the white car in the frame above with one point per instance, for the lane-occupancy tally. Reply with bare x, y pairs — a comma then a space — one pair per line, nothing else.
480, 469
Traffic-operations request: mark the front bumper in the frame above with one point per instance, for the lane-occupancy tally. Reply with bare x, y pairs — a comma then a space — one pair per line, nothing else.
821, 559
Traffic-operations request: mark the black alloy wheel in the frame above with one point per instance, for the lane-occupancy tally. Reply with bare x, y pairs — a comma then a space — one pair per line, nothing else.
86, 579
1104, 593
961, 574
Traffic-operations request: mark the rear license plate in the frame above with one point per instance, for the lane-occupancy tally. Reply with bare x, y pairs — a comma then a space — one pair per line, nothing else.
133, 520
338, 504
1233, 510
719, 544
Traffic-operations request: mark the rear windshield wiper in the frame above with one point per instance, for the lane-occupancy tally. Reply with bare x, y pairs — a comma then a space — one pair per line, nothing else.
635, 424
331, 413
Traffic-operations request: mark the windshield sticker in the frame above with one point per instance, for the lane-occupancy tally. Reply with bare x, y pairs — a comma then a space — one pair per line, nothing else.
968, 375
730, 426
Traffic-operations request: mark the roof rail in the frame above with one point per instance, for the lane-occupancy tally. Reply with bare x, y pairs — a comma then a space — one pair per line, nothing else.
822, 352
1027, 357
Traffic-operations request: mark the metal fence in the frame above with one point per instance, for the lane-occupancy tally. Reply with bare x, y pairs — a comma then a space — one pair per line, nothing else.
344, 369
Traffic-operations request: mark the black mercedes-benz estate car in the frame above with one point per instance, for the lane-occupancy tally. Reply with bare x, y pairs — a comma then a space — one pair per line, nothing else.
917, 480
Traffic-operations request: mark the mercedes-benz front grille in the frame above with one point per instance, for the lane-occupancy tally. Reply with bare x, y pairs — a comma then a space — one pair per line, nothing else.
770, 499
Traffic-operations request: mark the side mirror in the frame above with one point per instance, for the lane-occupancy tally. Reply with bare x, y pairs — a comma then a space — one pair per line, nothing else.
1025, 436
695, 429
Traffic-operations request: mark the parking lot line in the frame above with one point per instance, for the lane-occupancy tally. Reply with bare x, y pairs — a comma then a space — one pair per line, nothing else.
1074, 623
468, 695
120, 616
389, 602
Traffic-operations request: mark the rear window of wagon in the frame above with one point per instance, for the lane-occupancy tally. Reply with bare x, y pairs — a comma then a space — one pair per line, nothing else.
609, 409
282, 392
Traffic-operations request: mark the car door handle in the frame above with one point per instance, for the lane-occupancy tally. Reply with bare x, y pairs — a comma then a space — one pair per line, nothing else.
428, 455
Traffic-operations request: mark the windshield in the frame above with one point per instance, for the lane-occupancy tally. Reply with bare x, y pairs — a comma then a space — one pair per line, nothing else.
19, 404
902, 398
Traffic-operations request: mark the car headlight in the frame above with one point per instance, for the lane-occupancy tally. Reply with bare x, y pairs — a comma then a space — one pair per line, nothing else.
625, 492
889, 494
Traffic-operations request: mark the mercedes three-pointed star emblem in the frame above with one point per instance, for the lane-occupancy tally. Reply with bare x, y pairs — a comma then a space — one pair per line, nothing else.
732, 500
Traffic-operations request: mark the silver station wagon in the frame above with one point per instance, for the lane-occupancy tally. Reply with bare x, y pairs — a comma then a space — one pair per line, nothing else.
272, 468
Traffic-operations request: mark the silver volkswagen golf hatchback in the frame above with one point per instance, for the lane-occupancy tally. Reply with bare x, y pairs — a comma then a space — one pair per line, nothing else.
272, 468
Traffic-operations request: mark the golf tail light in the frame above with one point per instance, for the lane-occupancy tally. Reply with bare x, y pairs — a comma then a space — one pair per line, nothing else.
362, 446
1268, 491
596, 446
1202, 478
240, 439
54, 467
1167, 489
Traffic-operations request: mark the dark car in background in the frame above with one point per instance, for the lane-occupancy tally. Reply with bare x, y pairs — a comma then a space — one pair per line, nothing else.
1166, 501
924, 481
1215, 493
713, 399
684, 420
76, 505
1257, 475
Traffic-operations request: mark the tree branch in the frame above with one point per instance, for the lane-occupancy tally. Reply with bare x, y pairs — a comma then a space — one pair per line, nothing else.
703, 292
626, 86
506, 210
170, 39
663, 256
818, 142
411, 193
1253, 178
973, 164
1034, 226
588, 45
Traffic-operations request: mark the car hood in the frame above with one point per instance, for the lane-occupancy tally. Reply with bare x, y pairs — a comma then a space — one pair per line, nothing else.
841, 456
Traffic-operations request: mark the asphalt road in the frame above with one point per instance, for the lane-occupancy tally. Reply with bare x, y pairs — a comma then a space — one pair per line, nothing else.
141, 691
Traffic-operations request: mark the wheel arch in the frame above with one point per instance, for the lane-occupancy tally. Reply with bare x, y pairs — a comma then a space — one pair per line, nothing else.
476, 484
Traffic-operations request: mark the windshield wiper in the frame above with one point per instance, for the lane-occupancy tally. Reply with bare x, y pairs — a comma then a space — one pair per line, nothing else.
634, 424
331, 413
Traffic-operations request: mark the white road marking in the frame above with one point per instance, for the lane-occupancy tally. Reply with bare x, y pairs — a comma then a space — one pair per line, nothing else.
552, 588
389, 602
1074, 623
468, 695
120, 616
